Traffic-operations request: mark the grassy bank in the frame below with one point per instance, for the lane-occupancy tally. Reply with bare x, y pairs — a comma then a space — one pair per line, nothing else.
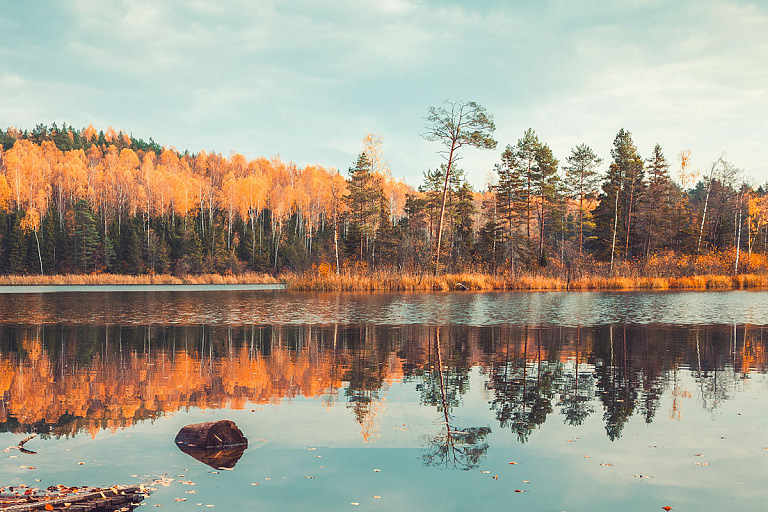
470, 281
105, 279
391, 281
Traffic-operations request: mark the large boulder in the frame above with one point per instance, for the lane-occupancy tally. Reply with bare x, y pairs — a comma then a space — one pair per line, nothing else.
219, 444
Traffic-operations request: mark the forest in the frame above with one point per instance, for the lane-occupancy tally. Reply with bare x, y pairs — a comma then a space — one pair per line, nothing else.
82, 201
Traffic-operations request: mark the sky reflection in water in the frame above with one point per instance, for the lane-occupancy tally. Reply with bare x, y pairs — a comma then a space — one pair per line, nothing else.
629, 415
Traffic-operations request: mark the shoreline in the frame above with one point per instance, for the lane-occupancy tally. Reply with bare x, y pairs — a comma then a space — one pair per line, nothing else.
394, 282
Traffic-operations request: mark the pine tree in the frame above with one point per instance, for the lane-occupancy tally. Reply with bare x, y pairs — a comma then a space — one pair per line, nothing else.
657, 203
364, 202
582, 182
84, 237
622, 188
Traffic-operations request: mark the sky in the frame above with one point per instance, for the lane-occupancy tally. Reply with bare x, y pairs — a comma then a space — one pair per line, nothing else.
307, 79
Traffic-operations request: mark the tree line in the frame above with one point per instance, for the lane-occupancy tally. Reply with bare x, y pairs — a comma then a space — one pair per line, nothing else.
87, 201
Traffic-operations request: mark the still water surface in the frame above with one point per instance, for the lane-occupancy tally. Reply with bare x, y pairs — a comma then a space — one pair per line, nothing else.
623, 401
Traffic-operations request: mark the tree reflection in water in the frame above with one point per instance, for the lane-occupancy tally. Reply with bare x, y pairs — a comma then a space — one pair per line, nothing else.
64, 379
451, 447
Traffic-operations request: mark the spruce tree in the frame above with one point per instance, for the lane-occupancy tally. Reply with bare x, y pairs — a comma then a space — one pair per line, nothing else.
84, 237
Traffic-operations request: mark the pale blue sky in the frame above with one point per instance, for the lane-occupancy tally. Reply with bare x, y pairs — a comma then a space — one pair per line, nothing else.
308, 79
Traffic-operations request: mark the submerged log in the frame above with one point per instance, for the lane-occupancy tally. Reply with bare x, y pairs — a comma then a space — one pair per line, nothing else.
218, 444
120, 497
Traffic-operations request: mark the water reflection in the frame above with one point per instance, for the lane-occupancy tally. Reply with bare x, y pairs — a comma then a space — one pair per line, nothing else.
60, 380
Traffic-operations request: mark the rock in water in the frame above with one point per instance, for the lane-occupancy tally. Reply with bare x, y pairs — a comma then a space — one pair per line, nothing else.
212, 434
219, 444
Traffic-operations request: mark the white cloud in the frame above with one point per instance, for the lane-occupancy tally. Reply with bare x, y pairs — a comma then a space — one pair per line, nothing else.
302, 77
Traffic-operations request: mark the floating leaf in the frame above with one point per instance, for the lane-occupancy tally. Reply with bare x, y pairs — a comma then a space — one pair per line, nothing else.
667, 508
519, 490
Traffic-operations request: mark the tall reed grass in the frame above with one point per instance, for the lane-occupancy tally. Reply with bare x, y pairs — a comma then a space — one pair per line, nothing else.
394, 281
382, 281
105, 279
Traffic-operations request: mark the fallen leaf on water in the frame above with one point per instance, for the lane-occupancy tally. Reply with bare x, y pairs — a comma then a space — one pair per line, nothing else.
519, 490
80, 463
667, 508
513, 463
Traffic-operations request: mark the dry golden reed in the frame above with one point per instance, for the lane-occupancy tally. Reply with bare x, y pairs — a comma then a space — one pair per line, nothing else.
393, 281
106, 279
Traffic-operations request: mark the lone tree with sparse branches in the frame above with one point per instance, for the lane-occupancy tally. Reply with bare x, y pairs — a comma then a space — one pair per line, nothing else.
457, 124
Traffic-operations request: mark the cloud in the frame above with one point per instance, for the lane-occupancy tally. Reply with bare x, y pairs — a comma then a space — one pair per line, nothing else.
308, 79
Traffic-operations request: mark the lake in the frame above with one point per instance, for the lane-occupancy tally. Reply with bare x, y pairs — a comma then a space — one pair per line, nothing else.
538, 401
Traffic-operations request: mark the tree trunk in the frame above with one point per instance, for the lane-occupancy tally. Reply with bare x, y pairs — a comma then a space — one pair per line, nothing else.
442, 208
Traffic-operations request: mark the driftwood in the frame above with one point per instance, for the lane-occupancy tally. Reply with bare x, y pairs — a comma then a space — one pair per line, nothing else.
125, 497
218, 444
21, 445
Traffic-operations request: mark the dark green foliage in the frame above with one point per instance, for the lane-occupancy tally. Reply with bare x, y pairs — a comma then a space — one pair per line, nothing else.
131, 250
18, 244
84, 237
